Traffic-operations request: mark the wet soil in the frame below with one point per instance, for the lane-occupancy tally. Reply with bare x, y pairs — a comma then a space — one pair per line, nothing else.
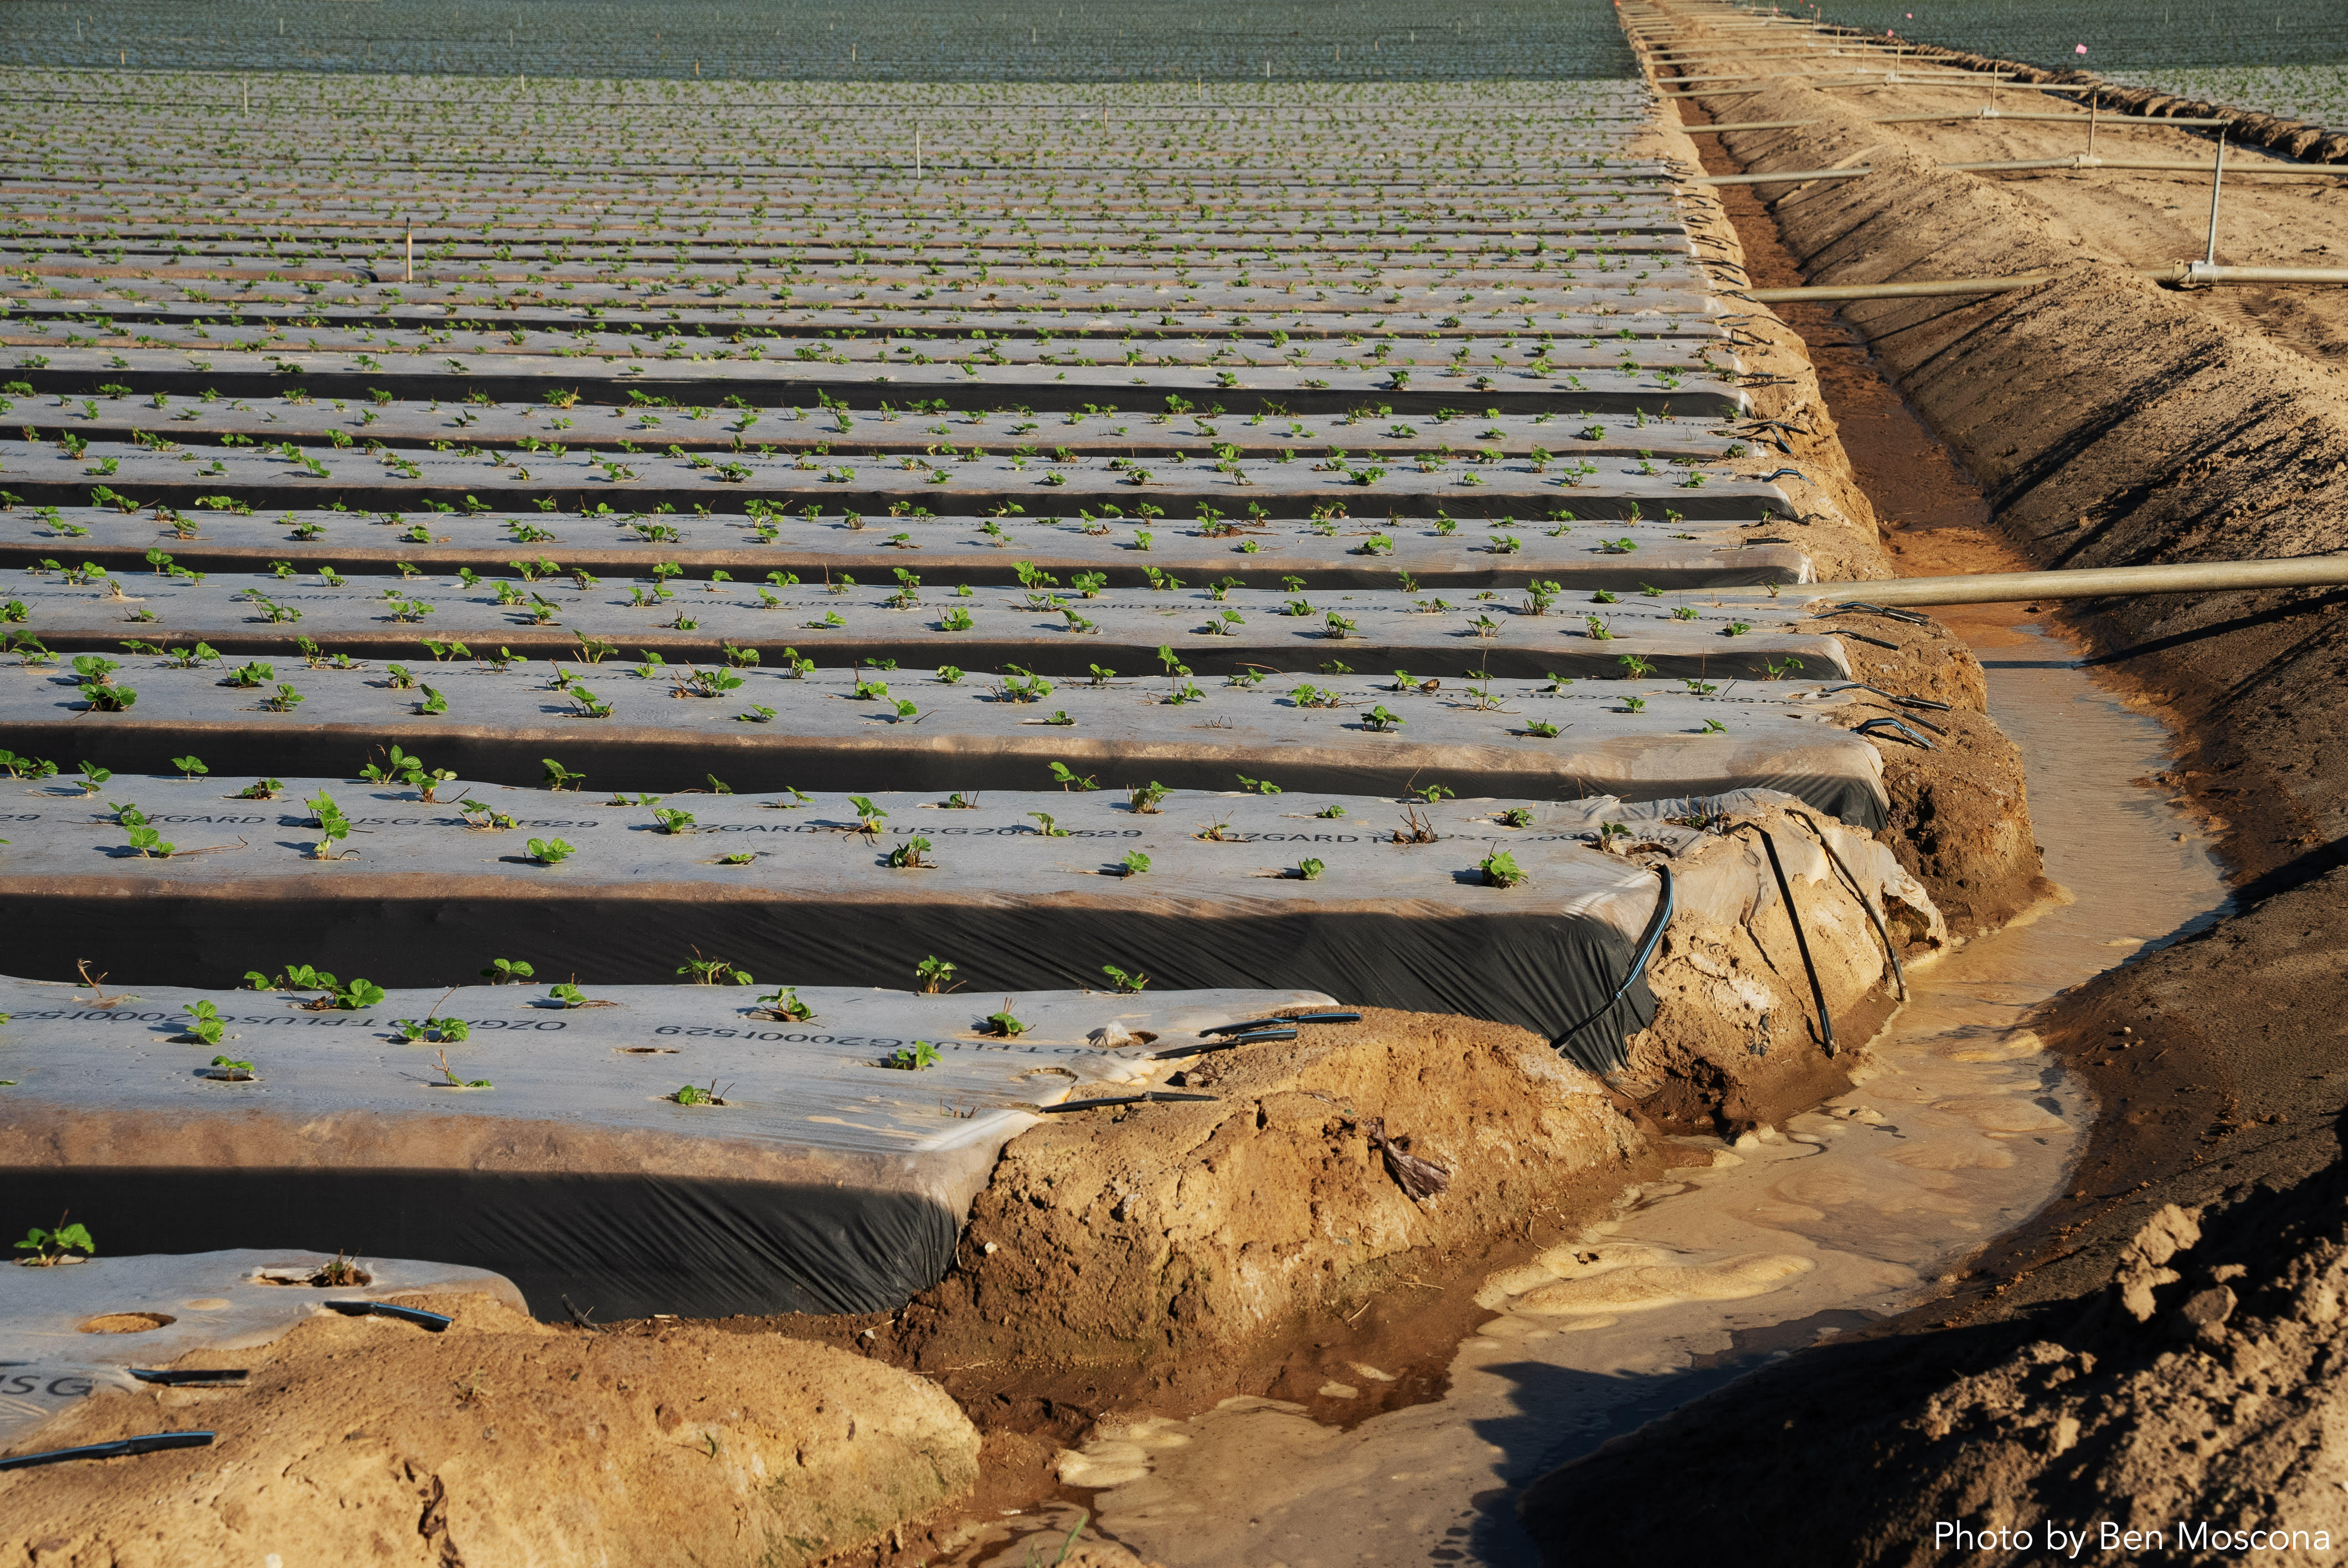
2099, 1361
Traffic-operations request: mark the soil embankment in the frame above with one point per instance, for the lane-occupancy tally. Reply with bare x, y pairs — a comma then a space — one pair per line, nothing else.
546, 1446
2156, 1348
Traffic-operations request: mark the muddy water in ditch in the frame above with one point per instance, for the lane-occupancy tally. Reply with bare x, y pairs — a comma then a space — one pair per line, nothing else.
1960, 1130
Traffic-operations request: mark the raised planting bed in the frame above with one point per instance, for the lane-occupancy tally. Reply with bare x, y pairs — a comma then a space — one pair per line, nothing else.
1705, 636
1022, 890
676, 726
1600, 549
982, 383
802, 1172
79, 1323
1336, 485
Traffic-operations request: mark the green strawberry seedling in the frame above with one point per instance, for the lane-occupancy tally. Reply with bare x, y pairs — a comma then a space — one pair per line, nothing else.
229, 1070
1002, 1025
1126, 984
1310, 870
550, 851
786, 1006
908, 855
93, 778
450, 1074
690, 1095
933, 972
50, 1247
1134, 863
507, 972
207, 1027
914, 1057
713, 971
1500, 869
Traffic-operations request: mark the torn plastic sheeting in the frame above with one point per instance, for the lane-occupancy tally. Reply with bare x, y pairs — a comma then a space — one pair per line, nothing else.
208, 1300
827, 1182
423, 896
946, 551
965, 736
1123, 629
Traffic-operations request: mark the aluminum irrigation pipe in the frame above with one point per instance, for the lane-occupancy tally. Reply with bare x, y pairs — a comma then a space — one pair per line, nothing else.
2085, 160
2188, 273
2099, 582
1791, 177
2076, 160
2130, 122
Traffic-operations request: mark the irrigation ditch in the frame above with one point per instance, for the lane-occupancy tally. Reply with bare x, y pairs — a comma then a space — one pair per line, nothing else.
2150, 1348
1307, 648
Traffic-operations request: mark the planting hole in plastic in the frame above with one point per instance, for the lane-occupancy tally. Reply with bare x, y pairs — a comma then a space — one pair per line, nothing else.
322, 1278
126, 1323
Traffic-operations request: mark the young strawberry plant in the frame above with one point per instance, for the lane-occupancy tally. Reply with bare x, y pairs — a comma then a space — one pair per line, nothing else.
913, 1057
550, 851
1126, 984
50, 1247
1002, 1024
784, 1006
206, 1027
507, 972
713, 971
449, 1074
332, 825
933, 974
1500, 869
909, 856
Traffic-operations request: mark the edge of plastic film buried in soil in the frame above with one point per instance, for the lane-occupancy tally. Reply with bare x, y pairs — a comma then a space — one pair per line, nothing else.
1425, 908
804, 1170
676, 726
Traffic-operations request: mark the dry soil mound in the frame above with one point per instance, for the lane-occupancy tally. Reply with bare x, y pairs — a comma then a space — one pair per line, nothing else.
501, 1442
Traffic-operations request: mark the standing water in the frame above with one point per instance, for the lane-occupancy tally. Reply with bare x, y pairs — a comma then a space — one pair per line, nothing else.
1961, 1129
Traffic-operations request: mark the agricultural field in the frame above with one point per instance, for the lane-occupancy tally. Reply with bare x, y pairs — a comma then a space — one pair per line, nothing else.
896, 600
894, 40
2284, 57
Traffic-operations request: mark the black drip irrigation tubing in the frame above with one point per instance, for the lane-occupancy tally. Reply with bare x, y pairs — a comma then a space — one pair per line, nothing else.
145, 1443
1898, 975
1801, 938
1611, 1059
